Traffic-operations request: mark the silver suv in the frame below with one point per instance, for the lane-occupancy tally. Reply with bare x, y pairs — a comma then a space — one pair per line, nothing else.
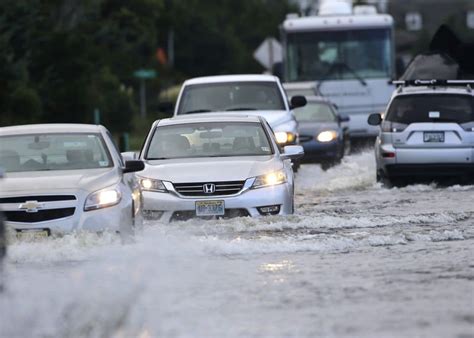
427, 133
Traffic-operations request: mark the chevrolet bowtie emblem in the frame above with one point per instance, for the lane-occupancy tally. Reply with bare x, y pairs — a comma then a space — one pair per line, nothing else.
31, 206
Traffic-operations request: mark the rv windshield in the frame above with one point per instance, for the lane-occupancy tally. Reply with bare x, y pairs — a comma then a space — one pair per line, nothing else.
339, 55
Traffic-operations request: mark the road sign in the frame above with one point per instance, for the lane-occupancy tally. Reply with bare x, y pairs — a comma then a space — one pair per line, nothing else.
268, 53
470, 19
145, 73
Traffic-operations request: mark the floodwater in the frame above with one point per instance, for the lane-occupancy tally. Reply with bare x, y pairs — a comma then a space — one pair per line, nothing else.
356, 260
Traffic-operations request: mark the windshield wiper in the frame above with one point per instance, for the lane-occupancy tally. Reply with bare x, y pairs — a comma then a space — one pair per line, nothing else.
198, 111
157, 158
339, 66
240, 109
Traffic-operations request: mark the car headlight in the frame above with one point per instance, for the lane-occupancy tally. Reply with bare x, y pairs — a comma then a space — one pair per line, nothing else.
327, 136
273, 178
150, 184
102, 199
283, 137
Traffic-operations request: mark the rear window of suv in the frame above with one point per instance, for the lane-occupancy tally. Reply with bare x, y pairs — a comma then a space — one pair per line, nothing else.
408, 109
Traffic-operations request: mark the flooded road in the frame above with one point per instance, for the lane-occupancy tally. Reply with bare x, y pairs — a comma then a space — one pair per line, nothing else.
356, 260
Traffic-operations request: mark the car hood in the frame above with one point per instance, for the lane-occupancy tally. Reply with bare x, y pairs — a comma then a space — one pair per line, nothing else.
311, 128
46, 181
273, 117
210, 169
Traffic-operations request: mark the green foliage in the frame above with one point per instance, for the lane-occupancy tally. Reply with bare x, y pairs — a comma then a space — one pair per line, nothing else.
62, 59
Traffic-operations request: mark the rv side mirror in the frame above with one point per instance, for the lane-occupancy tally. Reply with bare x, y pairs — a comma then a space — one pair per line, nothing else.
298, 101
374, 119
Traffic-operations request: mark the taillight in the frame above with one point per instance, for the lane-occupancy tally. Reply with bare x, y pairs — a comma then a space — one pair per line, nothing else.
393, 127
388, 155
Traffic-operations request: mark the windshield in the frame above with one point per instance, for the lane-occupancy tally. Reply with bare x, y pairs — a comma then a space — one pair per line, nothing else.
41, 152
231, 96
315, 112
339, 55
431, 108
210, 139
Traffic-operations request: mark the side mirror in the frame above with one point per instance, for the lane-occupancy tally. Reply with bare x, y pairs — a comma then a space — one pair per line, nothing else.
374, 119
343, 118
133, 166
129, 156
292, 152
298, 101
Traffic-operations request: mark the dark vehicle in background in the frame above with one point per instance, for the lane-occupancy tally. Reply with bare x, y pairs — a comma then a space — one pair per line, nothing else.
323, 132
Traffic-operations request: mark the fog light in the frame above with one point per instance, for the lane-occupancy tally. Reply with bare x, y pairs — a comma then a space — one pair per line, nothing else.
269, 210
152, 214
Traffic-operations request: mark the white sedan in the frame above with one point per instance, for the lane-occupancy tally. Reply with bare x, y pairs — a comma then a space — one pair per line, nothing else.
61, 178
216, 165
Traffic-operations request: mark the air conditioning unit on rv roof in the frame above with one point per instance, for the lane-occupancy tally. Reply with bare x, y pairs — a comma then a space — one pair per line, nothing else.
335, 7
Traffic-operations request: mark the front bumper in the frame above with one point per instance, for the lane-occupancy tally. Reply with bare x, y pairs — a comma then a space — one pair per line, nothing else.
116, 218
316, 152
170, 206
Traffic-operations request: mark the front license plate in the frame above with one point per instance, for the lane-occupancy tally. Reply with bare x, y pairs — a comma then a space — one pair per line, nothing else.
210, 208
435, 137
32, 234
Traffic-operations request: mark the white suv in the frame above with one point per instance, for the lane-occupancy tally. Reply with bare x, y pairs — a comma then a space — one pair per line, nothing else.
427, 132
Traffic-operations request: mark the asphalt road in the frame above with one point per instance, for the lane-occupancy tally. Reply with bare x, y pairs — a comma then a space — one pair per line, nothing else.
356, 260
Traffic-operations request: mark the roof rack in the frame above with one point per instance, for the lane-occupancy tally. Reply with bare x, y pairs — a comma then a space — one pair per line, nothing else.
433, 82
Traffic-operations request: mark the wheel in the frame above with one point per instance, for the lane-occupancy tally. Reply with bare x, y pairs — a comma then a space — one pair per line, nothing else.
296, 166
347, 146
384, 180
326, 165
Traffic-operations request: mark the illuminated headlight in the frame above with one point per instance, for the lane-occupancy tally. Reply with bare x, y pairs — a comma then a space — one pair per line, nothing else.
103, 199
283, 137
327, 136
149, 184
274, 178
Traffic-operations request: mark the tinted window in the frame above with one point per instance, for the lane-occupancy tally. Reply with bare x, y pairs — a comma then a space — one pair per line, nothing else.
40, 152
425, 108
316, 112
231, 96
210, 139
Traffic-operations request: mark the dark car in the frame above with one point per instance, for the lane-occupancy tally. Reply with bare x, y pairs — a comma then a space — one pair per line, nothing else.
322, 131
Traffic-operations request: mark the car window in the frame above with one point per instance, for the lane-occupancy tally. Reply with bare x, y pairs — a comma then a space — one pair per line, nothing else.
408, 109
40, 152
231, 96
211, 139
315, 112
115, 147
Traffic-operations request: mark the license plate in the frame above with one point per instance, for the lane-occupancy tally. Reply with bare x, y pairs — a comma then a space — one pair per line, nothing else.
434, 137
210, 208
32, 234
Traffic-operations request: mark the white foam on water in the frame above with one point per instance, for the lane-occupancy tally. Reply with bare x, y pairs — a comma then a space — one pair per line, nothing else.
355, 172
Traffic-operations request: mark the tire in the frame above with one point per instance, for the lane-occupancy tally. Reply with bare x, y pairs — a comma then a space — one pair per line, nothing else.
326, 165
384, 180
347, 146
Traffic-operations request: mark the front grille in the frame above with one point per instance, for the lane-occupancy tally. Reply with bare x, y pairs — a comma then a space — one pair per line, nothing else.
221, 188
45, 198
305, 138
185, 215
40, 216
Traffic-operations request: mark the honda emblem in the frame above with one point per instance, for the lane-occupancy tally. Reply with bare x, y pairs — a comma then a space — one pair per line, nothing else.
209, 188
